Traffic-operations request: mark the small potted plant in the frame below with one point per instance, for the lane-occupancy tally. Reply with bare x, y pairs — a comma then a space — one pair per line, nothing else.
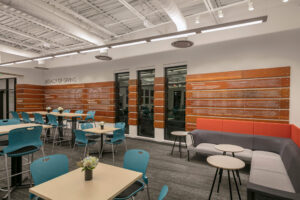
60, 109
48, 109
88, 164
102, 125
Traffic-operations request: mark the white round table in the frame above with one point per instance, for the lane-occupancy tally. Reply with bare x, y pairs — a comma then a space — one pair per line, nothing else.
178, 135
231, 149
222, 162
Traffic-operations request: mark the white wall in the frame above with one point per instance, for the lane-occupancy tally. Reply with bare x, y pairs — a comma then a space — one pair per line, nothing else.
271, 50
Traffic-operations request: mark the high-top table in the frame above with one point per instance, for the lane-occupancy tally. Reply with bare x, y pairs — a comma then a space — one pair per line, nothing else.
105, 131
226, 163
16, 162
60, 117
107, 183
230, 148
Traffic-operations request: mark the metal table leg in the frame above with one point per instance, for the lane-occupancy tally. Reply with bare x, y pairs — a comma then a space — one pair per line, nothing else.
174, 145
236, 185
237, 171
229, 182
212, 187
74, 123
220, 179
180, 146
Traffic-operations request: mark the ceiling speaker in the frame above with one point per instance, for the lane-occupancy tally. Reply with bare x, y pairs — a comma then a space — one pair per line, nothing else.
182, 43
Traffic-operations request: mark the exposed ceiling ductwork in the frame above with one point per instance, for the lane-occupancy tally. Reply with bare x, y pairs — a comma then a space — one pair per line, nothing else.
51, 15
174, 13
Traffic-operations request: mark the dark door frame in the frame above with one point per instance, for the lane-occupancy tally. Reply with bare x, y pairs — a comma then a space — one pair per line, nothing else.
6, 91
166, 95
139, 98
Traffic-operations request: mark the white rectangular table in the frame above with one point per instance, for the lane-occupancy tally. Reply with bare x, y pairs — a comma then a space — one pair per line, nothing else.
108, 182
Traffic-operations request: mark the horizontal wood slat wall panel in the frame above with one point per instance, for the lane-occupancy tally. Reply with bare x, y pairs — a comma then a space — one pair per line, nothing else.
86, 96
257, 95
29, 97
133, 102
159, 102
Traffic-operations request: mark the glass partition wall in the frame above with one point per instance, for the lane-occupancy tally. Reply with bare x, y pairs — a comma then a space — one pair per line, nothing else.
7, 97
174, 100
145, 103
122, 98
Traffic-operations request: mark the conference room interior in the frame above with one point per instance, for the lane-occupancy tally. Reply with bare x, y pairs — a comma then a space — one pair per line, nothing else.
150, 99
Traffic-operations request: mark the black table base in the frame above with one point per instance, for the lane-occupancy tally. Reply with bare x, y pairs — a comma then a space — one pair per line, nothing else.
179, 146
218, 171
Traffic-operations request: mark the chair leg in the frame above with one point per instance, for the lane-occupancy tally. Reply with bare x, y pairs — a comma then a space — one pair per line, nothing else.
125, 144
7, 176
113, 153
43, 151
148, 193
84, 154
74, 146
54, 137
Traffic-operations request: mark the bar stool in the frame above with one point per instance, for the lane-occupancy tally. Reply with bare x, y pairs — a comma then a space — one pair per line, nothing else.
21, 142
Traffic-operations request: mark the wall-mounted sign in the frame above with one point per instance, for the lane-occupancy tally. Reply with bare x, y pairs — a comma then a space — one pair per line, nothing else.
59, 81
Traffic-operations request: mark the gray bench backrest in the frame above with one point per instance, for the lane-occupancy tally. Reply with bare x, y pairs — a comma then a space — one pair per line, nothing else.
216, 137
290, 156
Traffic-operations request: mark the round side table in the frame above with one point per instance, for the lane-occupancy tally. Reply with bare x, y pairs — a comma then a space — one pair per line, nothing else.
226, 163
178, 136
231, 149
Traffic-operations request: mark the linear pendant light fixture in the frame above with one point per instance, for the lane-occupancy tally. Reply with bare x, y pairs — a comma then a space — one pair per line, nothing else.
231, 26
180, 34
173, 36
129, 44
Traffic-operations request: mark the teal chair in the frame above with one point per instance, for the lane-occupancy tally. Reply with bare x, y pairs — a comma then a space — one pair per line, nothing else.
15, 115
6, 122
56, 138
136, 160
117, 139
38, 118
67, 111
89, 118
78, 118
21, 142
163, 192
81, 139
90, 136
55, 110
47, 168
26, 118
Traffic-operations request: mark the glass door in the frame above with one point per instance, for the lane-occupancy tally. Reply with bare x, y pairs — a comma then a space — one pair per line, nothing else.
7, 97
122, 98
145, 103
175, 100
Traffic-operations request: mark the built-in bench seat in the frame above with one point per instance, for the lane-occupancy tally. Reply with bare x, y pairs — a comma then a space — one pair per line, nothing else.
274, 155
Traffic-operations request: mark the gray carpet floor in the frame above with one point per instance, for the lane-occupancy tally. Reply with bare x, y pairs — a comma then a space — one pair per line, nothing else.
186, 180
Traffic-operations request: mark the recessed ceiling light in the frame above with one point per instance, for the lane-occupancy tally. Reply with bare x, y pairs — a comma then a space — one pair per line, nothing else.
250, 6
220, 14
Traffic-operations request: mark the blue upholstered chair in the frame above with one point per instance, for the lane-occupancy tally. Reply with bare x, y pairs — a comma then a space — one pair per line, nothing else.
21, 141
15, 115
81, 139
136, 160
26, 118
47, 168
56, 137
117, 138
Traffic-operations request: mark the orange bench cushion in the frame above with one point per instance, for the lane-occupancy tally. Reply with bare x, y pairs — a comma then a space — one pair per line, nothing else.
272, 129
236, 126
209, 124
